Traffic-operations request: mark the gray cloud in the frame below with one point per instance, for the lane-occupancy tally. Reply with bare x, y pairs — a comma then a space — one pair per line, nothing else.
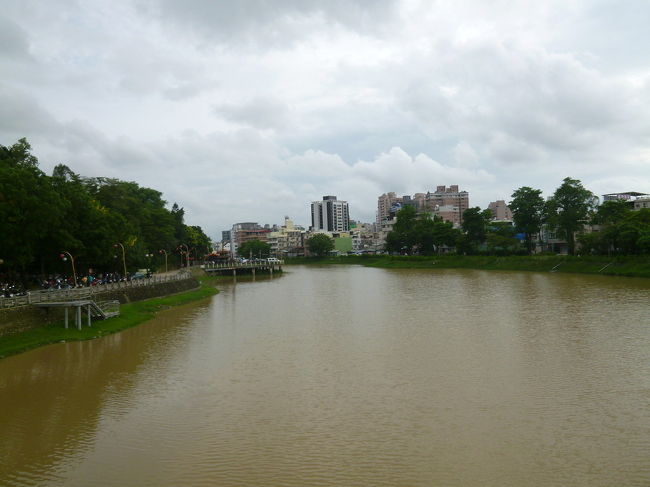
14, 42
261, 113
265, 23
23, 115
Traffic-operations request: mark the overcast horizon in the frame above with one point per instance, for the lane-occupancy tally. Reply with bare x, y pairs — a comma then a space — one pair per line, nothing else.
250, 110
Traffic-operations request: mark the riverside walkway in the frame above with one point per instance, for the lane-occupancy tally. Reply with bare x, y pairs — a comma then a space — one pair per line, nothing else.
42, 298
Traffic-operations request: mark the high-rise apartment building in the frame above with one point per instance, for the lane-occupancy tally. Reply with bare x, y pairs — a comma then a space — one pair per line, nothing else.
448, 203
330, 215
500, 211
384, 204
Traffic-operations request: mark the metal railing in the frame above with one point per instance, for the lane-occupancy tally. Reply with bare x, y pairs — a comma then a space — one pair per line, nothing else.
78, 293
242, 265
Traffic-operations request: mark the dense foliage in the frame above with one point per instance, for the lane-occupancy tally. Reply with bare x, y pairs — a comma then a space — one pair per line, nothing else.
41, 216
320, 244
420, 234
569, 209
527, 208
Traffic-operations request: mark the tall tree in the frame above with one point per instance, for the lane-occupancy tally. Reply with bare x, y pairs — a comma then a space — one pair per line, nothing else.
431, 233
320, 244
527, 206
198, 240
569, 209
30, 210
403, 237
474, 225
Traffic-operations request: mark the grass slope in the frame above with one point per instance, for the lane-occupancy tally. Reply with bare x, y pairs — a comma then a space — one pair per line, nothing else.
131, 314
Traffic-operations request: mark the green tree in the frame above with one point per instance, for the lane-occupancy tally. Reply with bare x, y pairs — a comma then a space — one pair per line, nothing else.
198, 240
320, 244
431, 233
569, 209
633, 233
31, 212
611, 217
501, 239
527, 206
254, 248
474, 225
403, 236
611, 212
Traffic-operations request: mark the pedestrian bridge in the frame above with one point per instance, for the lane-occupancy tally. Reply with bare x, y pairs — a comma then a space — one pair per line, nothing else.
270, 266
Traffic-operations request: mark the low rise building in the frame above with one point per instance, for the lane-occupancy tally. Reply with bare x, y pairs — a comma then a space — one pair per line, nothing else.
287, 240
244, 232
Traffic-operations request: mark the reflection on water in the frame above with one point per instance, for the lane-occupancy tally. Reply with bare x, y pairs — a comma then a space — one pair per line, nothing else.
348, 376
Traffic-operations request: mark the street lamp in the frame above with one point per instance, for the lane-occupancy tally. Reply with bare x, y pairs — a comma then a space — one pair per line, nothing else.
123, 257
162, 251
74, 271
187, 255
149, 256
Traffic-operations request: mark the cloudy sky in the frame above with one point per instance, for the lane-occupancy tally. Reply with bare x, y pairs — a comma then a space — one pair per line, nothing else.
248, 110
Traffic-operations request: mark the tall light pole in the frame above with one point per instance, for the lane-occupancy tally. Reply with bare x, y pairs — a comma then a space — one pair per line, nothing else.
163, 251
74, 271
123, 257
187, 255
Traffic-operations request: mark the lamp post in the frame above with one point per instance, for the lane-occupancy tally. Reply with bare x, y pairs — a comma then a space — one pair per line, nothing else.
163, 251
74, 271
149, 256
123, 257
187, 255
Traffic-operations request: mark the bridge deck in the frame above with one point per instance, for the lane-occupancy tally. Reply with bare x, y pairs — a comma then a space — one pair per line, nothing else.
218, 267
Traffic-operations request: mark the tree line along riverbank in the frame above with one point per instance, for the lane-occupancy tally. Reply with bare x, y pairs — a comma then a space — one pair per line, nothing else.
630, 266
131, 314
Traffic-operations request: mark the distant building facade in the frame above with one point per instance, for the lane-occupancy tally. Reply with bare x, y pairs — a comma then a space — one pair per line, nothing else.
288, 240
448, 203
643, 202
243, 232
635, 200
330, 215
500, 211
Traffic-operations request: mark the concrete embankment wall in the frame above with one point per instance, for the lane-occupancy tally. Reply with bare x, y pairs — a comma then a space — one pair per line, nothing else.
19, 319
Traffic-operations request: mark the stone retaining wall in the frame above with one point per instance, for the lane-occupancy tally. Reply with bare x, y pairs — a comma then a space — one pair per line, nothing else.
20, 319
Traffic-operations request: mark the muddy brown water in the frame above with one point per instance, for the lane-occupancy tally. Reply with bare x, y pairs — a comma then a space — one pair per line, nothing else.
348, 376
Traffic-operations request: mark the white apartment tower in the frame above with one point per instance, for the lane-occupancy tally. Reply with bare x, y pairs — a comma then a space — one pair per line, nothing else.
330, 215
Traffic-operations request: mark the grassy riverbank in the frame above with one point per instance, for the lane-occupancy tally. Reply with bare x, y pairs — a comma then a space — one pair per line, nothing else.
131, 314
632, 266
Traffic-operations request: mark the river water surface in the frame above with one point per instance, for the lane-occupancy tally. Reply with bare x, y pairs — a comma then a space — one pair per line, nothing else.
348, 376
